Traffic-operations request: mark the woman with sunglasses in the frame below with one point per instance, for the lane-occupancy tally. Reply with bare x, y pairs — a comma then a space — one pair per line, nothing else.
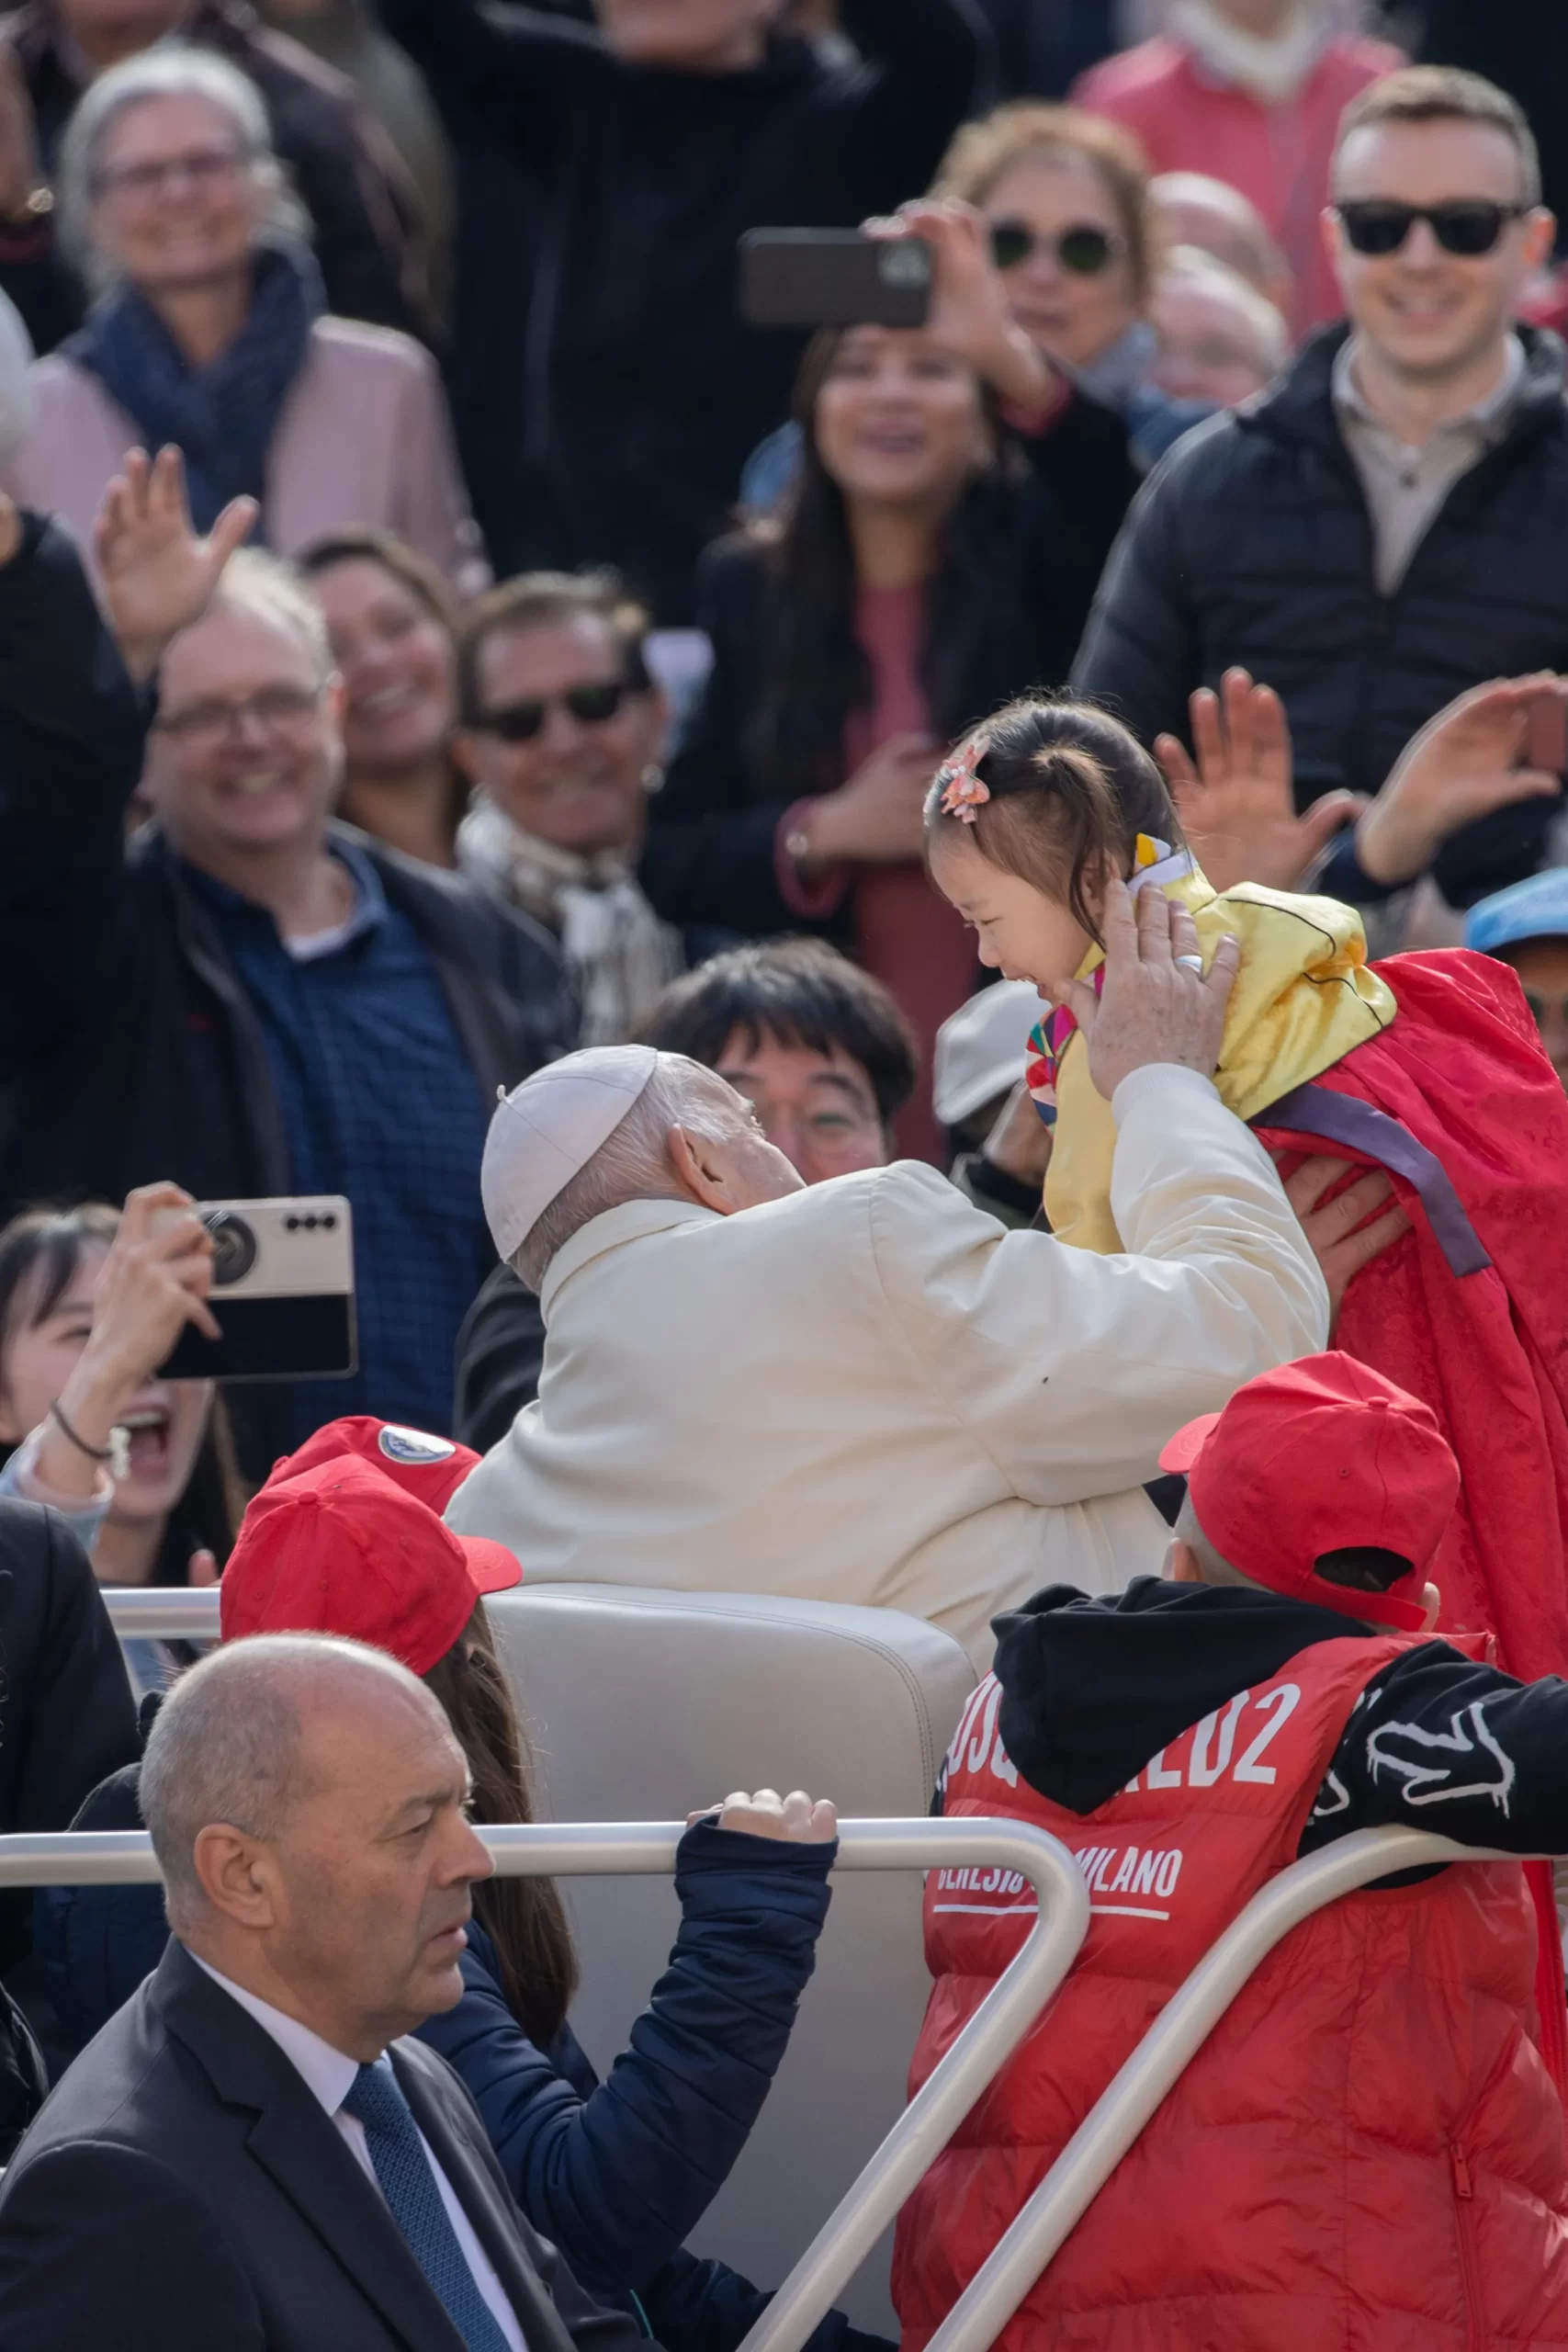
559, 737
392, 623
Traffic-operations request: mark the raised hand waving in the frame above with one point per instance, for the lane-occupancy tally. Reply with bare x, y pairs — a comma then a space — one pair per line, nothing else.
158, 572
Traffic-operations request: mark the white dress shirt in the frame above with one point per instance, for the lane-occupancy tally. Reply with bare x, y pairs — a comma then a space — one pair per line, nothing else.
329, 2075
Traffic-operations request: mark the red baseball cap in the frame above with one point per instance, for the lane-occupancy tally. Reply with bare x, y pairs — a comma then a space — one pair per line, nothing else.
430, 1468
1320, 1456
340, 1549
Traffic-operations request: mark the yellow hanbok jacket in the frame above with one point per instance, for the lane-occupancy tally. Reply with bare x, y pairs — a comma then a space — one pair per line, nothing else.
1303, 998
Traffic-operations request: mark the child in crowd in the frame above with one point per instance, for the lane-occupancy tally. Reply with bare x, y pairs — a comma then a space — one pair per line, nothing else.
1427, 1065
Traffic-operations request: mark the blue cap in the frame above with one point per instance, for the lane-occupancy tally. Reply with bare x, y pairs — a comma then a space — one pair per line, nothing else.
1534, 910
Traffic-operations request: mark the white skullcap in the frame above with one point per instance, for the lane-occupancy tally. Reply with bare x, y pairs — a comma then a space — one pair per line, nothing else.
551, 1125
980, 1049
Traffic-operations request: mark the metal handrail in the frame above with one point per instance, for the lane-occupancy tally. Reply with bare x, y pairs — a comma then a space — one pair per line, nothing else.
1017, 2263
163, 1612
99, 1857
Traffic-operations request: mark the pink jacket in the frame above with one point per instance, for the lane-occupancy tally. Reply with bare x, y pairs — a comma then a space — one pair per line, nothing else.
364, 438
1279, 156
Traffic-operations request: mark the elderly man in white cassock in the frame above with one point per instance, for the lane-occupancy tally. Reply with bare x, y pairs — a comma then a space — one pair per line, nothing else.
867, 1390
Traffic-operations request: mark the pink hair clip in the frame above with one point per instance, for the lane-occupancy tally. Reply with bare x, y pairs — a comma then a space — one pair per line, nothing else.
962, 790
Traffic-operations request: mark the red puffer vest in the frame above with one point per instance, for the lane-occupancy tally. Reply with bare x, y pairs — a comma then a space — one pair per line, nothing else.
1367, 2154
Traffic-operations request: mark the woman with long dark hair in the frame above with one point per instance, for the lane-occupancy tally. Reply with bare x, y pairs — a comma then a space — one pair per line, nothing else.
142, 1469
912, 580
616, 2175
392, 623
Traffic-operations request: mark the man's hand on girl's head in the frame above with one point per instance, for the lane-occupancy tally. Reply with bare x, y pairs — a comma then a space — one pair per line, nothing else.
1157, 1004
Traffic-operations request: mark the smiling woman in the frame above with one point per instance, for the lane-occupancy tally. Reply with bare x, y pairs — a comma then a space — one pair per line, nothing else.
392, 621
91, 1303
918, 567
209, 333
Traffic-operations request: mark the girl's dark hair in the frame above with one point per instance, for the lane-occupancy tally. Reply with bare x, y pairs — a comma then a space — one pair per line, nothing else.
1071, 790
523, 1917
40, 1249
814, 671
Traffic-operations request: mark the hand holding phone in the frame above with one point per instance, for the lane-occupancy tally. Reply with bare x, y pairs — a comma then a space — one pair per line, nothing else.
280, 1298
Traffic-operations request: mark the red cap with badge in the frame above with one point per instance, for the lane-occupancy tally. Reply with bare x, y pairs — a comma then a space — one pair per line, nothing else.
1324, 1456
340, 1549
432, 1468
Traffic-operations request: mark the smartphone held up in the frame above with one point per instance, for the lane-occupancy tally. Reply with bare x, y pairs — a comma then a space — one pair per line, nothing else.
282, 1293
833, 278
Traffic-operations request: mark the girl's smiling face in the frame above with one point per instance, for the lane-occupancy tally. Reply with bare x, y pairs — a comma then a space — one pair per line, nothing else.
1020, 932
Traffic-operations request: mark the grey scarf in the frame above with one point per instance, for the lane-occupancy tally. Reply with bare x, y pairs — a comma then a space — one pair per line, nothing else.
619, 953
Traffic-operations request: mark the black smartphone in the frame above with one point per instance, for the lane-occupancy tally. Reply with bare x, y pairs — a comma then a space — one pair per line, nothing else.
282, 1293
833, 278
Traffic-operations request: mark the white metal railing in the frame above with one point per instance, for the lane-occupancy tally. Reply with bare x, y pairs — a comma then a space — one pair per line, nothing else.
163, 1612
1106, 2133
1014, 2003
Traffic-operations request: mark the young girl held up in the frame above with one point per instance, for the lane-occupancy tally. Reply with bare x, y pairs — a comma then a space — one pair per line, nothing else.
1427, 1065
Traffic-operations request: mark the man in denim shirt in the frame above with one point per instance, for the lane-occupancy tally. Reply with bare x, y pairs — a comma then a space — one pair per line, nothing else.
254, 999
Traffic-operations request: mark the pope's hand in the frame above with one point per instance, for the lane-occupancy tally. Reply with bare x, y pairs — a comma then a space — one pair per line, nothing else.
1156, 1005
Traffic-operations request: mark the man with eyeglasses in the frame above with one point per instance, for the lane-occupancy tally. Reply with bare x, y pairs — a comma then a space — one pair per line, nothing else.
1385, 528
251, 996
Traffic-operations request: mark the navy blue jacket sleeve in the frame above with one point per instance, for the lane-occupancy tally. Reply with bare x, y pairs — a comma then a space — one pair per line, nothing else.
617, 2180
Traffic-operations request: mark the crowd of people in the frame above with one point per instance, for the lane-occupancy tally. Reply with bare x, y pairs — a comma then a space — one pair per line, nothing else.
871, 923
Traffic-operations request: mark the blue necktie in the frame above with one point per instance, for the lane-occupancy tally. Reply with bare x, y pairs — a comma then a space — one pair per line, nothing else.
409, 2187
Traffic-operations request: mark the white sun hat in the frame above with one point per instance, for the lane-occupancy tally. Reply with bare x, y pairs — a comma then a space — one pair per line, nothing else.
551, 1125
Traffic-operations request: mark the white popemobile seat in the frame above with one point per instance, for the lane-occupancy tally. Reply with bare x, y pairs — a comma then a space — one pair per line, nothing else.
645, 1705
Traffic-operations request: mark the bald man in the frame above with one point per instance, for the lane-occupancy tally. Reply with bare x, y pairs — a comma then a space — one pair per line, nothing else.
251, 2156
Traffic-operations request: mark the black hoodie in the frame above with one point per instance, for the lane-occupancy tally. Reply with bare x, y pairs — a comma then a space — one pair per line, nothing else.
1092, 1688
606, 390
1251, 543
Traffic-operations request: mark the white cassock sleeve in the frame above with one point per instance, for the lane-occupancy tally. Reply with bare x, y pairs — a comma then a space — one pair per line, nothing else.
1072, 1370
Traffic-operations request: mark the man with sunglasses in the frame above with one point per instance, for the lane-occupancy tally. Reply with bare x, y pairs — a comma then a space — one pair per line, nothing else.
560, 732
252, 996
1384, 528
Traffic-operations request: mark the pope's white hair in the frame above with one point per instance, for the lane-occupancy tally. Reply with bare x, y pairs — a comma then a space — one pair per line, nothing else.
633, 1162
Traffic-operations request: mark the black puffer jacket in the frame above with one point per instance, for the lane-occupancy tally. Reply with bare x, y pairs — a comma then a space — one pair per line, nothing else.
1252, 543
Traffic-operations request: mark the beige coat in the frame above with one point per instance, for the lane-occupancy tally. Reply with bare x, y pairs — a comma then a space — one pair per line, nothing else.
364, 438
871, 1392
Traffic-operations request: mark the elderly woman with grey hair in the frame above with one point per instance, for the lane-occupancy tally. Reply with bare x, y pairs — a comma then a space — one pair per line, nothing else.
208, 331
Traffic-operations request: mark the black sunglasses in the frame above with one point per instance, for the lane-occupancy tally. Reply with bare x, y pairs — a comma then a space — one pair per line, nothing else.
1084, 249
519, 722
1467, 225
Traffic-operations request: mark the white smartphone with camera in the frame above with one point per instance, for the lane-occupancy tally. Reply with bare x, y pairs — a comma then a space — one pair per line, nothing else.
282, 1293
